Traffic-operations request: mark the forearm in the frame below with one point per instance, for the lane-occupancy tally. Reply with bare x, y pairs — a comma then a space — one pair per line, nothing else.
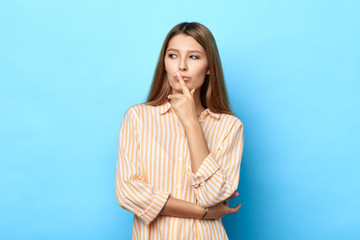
180, 208
197, 145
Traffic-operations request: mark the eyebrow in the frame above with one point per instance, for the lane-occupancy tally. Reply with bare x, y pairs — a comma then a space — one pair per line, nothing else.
172, 49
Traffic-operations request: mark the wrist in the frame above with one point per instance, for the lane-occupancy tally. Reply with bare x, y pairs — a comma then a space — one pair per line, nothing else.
206, 211
191, 125
200, 212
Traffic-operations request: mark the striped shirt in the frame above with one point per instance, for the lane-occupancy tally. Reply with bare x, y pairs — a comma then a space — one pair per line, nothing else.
153, 162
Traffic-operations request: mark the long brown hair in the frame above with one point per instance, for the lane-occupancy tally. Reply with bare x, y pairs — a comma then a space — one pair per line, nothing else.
213, 92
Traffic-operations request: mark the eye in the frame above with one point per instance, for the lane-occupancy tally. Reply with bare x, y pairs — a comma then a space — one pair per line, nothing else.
170, 55
194, 57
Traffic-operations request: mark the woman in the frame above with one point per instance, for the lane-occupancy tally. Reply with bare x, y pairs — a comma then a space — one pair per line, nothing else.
180, 152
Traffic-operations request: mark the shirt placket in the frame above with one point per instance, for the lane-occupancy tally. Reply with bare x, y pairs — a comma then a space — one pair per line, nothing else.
180, 164
179, 188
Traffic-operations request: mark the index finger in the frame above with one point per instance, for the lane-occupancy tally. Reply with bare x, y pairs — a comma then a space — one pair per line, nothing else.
234, 195
184, 87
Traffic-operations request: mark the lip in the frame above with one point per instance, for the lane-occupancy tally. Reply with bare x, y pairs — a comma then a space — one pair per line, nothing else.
186, 78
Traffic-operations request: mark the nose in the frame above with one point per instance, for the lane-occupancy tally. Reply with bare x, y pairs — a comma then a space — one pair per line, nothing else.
182, 64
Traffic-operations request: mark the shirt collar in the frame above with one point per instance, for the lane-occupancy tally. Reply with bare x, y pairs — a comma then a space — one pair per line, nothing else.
164, 108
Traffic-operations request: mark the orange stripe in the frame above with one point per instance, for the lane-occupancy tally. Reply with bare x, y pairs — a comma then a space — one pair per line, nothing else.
148, 170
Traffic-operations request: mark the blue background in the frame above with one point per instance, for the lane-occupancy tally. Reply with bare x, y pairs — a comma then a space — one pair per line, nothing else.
70, 69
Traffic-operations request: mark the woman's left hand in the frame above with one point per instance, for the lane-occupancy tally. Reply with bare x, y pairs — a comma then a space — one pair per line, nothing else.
184, 104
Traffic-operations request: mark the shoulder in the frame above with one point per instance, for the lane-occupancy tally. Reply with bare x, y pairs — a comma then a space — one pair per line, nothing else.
137, 109
132, 112
230, 119
230, 125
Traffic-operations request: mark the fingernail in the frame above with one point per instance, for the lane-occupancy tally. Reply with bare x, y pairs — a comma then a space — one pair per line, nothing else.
236, 194
177, 73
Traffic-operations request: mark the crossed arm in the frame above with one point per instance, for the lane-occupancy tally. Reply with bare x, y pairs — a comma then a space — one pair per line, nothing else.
199, 152
180, 208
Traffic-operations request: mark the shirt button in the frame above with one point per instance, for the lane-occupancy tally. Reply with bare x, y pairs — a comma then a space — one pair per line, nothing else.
179, 158
178, 186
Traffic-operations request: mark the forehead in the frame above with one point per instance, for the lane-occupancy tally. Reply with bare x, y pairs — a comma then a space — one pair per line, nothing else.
183, 42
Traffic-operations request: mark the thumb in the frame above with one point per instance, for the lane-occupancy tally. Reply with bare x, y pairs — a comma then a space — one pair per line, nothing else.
192, 91
235, 209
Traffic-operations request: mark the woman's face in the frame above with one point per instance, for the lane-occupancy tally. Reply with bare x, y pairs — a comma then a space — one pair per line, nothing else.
186, 56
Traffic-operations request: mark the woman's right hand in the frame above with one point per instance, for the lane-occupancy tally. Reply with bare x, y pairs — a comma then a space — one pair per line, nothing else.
222, 208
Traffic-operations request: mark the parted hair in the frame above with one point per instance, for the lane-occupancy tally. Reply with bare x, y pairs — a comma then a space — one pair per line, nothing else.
213, 92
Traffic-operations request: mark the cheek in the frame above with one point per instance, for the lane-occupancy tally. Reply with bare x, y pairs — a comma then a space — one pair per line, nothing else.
201, 72
169, 65
199, 67
169, 71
